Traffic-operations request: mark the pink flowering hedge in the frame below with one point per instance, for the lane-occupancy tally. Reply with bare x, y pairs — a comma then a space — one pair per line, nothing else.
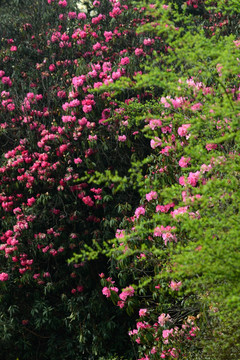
119, 177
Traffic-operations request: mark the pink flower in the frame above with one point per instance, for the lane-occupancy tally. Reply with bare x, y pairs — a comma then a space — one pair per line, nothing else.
78, 81
3, 276
182, 131
148, 42
96, 46
88, 201
96, 3
115, 289
63, 148
52, 67
116, 12
153, 351
92, 137
169, 237
125, 61
122, 138
116, 75
155, 142
62, 3
211, 147
13, 48
31, 201
72, 15
82, 16
157, 231
6, 80
97, 84
106, 291
121, 304
139, 211
193, 178
182, 181
11, 107
175, 286
138, 52
164, 208
166, 333
153, 123
163, 318
180, 210
120, 234
77, 160
142, 312
196, 106
173, 352
152, 195
183, 162
87, 108
128, 291
237, 43
108, 35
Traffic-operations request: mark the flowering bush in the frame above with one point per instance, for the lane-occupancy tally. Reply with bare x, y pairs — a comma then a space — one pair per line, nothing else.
120, 121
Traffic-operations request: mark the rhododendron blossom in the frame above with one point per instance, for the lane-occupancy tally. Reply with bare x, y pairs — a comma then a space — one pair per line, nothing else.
106, 291
139, 211
155, 143
175, 285
183, 130
3, 276
142, 312
128, 291
152, 195
124, 61
122, 138
183, 162
163, 318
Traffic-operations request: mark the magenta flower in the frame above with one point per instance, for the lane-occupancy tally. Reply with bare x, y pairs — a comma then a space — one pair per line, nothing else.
139, 211
142, 312
180, 210
128, 291
62, 3
152, 195
82, 16
122, 138
116, 75
211, 147
183, 162
87, 108
88, 201
125, 61
163, 318
155, 142
31, 201
193, 178
106, 291
175, 286
182, 131
3, 276
138, 52
120, 234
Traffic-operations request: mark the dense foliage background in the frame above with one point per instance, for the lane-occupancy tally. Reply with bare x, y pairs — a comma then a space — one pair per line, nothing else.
119, 179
